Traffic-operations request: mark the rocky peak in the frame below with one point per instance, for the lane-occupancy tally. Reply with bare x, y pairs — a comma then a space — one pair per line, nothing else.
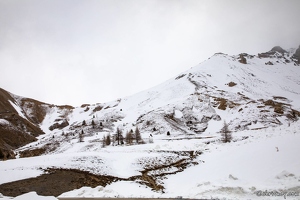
278, 49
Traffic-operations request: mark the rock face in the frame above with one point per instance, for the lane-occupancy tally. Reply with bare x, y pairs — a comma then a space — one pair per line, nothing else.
6, 154
242, 59
15, 130
278, 49
296, 55
275, 50
59, 125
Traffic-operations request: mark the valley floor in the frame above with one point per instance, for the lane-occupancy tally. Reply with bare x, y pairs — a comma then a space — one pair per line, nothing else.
257, 164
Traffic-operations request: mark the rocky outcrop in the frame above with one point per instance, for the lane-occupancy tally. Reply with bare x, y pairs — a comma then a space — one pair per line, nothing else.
6, 154
15, 130
278, 49
59, 125
272, 52
296, 55
242, 59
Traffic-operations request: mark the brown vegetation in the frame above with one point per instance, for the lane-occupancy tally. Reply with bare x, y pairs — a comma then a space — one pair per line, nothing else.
278, 107
98, 108
6, 154
223, 103
32, 152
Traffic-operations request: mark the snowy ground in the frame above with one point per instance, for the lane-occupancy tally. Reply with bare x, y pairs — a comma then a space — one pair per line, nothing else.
257, 160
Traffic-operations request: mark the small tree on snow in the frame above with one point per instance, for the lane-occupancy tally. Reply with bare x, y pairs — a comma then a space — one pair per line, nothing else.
129, 137
225, 133
101, 125
137, 134
81, 136
113, 139
119, 136
103, 141
93, 123
108, 141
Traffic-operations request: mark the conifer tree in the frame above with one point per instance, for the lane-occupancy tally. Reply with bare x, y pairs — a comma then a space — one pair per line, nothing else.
129, 137
103, 141
119, 136
81, 136
108, 140
137, 134
225, 133
93, 123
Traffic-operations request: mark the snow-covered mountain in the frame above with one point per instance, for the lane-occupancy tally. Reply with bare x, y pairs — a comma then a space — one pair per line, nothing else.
249, 92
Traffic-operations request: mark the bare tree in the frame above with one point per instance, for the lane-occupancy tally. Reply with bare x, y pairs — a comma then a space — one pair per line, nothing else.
225, 133
137, 134
119, 136
113, 139
93, 124
81, 136
108, 140
103, 141
129, 137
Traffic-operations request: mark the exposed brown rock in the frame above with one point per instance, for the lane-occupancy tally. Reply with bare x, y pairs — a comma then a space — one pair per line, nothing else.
33, 152
242, 59
269, 63
296, 56
231, 84
6, 154
59, 125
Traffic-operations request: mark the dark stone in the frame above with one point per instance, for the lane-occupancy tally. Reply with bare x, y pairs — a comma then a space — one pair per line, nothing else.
269, 63
242, 59
278, 49
296, 55
58, 125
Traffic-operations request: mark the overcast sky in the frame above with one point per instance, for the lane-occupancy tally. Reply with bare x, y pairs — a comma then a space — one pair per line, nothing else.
86, 51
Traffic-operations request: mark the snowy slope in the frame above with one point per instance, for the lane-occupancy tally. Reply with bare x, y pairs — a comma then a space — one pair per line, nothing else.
258, 160
236, 171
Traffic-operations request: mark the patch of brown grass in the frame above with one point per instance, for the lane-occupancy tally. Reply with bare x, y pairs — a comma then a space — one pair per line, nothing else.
223, 103
32, 152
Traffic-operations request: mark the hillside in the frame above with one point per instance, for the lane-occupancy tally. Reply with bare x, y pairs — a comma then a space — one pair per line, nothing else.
179, 120
248, 91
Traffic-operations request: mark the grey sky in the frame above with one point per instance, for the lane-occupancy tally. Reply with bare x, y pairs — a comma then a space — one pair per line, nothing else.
86, 51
